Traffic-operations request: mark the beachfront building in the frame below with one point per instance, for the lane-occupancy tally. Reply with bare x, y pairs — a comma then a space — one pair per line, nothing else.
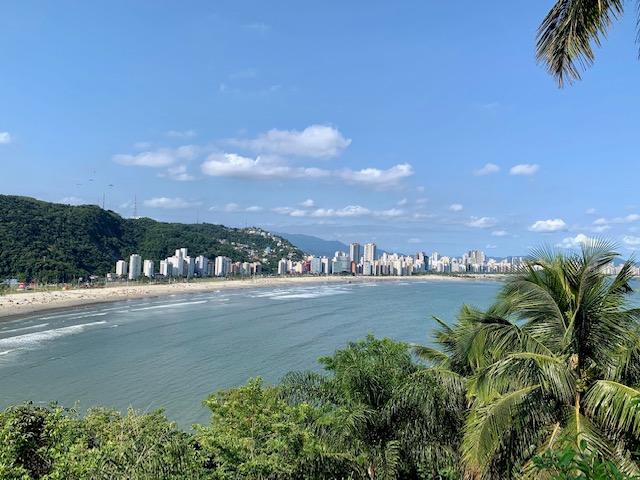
202, 266
370, 252
147, 269
341, 263
122, 268
222, 266
135, 266
354, 253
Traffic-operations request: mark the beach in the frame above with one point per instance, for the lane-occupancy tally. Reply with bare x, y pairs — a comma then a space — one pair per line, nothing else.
37, 301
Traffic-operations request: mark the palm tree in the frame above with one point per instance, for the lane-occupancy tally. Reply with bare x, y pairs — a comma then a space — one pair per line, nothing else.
556, 357
393, 417
565, 37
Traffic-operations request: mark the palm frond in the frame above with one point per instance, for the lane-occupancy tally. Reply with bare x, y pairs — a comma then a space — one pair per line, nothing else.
519, 370
487, 423
565, 36
613, 404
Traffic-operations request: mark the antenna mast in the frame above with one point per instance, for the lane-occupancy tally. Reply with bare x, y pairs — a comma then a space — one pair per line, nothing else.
135, 207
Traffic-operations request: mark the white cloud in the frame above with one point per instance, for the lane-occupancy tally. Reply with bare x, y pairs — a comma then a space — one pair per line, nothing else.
573, 242
254, 209
179, 173
414, 240
600, 229
185, 134
72, 201
316, 141
490, 246
630, 241
421, 202
351, 211
482, 222
524, 169
634, 217
228, 208
308, 203
376, 178
455, 207
5, 138
591, 211
545, 226
402, 203
236, 166
488, 169
499, 233
169, 203
142, 145
163, 157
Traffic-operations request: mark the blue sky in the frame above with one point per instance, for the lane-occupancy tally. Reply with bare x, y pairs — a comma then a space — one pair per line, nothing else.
417, 125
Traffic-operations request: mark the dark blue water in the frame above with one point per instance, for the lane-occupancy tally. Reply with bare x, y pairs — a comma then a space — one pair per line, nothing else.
172, 352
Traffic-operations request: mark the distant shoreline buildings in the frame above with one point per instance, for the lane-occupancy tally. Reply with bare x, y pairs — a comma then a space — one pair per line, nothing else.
360, 260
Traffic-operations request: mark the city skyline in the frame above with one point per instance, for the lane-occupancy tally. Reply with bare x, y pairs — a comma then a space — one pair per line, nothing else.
422, 127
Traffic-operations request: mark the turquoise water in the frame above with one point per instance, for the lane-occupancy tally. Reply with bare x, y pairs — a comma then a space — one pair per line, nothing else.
172, 352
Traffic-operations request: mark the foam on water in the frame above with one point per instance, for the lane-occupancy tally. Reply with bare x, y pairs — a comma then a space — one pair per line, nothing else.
32, 327
30, 340
168, 305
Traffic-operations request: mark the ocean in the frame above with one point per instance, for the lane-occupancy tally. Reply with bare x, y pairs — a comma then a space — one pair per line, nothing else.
172, 352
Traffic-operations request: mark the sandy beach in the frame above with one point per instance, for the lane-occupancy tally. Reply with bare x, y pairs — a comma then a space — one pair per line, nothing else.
30, 302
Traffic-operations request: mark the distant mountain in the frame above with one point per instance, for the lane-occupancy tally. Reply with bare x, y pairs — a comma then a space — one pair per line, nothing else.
55, 242
315, 246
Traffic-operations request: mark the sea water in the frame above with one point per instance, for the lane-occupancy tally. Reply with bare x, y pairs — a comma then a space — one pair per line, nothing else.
172, 352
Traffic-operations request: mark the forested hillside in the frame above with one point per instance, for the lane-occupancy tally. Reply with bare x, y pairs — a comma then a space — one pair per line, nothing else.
57, 243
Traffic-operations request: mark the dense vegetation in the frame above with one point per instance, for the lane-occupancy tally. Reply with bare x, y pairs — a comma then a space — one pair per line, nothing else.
56, 243
543, 384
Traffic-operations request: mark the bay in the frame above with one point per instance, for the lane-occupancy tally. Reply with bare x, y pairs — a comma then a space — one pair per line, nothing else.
172, 352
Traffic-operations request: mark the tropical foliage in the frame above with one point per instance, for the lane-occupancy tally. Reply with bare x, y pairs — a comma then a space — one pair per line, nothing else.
555, 357
566, 35
392, 417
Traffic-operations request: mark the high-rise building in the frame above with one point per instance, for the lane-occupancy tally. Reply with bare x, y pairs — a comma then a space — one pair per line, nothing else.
122, 267
370, 252
222, 266
354, 253
147, 268
135, 266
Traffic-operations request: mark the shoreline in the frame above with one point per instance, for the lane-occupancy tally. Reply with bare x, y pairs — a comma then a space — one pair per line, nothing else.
14, 306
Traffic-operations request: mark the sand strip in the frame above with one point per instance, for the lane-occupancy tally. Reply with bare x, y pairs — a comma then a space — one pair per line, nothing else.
31, 302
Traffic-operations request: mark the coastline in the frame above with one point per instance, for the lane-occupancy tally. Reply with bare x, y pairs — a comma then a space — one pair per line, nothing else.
16, 305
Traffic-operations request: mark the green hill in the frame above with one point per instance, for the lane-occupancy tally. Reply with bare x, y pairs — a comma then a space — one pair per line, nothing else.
56, 243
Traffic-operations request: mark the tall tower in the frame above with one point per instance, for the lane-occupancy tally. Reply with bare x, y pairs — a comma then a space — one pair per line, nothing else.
135, 208
354, 253
370, 252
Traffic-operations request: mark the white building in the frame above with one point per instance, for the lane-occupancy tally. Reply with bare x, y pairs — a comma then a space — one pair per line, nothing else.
370, 252
122, 268
222, 266
147, 269
135, 266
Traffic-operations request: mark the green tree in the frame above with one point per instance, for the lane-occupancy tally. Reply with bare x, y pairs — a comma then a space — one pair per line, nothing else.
557, 356
393, 417
254, 434
566, 35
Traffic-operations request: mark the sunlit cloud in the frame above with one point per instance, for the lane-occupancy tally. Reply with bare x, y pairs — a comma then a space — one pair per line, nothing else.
546, 226
524, 169
237, 166
455, 207
315, 141
5, 138
482, 222
161, 158
169, 203
574, 242
308, 203
488, 169
499, 233
376, 178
